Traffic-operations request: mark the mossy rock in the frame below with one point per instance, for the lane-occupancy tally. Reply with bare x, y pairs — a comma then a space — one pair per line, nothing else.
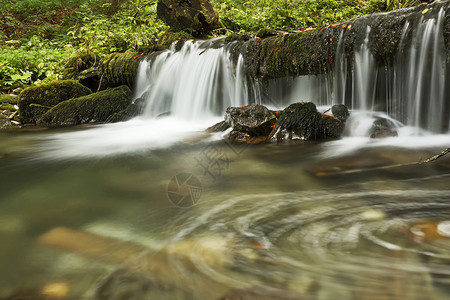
11, 99
304, 121
95, 107
168, 37
301, 119
132, 110
79, 62
253, 119
7, 106
36, 101
120, 68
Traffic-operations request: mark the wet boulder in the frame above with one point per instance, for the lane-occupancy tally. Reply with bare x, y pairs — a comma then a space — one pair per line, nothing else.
340, 111
382, 128
35, 101
133, 110
96, 107
331, 127
302, 120
196, 17
255, 120
219, 127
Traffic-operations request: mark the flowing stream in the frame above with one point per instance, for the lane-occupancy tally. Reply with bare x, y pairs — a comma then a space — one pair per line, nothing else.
155, 208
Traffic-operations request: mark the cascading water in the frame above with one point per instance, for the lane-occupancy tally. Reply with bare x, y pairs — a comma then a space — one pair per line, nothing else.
420, 86
413, 90
196, 82
188, 88
275, 221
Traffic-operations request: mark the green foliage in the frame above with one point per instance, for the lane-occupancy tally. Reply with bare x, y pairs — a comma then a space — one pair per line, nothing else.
4, 98
133, 29
397, 4
33, 62
250, 16
42, 40
24, 6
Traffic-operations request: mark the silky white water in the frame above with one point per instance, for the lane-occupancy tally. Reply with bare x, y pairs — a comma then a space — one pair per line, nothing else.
185, 91
355, 218
188, 88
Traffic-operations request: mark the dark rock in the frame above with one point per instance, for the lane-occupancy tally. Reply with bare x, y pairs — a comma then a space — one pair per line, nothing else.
35, 101
91, 108
132, 110
219, 127
331, 127
265, 33
383, 128
304, 121
301, 119
92, 79
254, 119
340, 111
197, 17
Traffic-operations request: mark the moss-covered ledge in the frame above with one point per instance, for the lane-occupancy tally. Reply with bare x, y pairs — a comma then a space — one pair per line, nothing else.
313, 50
91, 108
120, 68
34, 101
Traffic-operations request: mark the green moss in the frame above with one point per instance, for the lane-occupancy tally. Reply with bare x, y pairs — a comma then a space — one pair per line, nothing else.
95, 107
132, 110
79, 62
11, 99
3, 117
168, 37
7, 106
120, 68
300, 53
35, 101
385, 38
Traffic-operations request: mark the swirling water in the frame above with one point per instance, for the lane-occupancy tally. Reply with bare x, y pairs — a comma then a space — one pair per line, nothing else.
87, 213
278, 221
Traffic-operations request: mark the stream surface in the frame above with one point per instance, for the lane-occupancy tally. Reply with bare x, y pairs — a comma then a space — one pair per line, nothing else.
290, 220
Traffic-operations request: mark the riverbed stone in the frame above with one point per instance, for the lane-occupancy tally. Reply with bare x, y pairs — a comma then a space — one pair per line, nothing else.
340, 111
97, 107
219, 127
36, 101
302, 120
382, 128
253, 119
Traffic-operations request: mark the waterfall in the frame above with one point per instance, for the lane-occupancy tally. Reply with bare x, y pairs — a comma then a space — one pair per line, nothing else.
195, 82
413, 89
420, 88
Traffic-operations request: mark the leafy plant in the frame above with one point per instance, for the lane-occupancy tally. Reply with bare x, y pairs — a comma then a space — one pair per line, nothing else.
397, 4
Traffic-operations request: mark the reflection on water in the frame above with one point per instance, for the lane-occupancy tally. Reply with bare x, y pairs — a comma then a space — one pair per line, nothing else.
281, 221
